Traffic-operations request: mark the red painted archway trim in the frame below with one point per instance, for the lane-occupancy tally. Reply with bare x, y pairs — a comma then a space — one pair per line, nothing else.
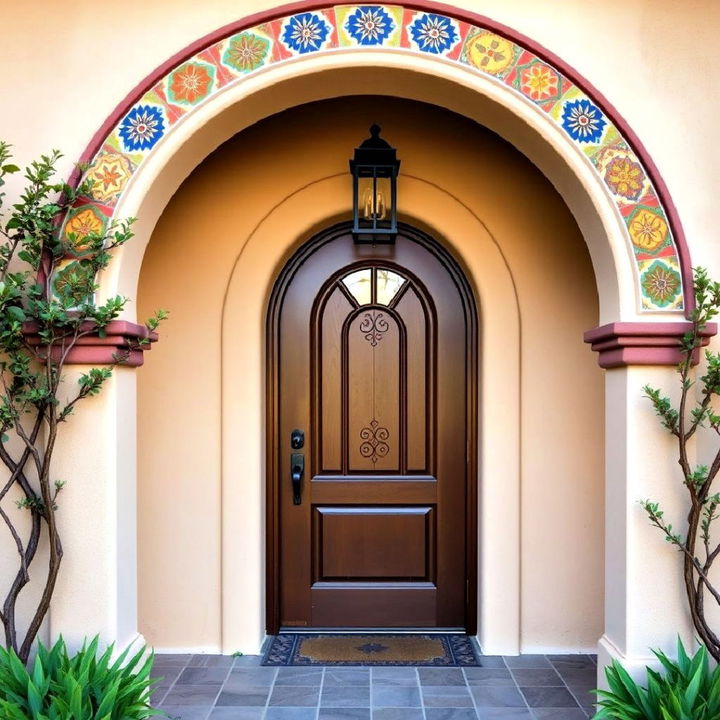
458, 14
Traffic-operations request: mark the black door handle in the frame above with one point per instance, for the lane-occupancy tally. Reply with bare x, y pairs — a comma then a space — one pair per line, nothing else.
297, 470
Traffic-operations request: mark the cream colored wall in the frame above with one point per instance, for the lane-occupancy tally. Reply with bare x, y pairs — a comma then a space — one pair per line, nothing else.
653, 60
649, 60
188, 265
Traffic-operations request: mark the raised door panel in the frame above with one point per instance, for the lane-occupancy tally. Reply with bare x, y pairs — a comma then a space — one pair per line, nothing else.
380, 543
374, 368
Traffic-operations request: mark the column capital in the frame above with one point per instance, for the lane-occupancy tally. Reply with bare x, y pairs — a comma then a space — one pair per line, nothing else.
119, 339
621, 344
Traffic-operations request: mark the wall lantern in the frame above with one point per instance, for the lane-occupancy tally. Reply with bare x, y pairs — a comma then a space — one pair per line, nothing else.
375, 168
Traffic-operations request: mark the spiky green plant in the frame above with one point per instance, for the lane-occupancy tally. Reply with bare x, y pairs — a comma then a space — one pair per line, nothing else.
84, 686
688, 689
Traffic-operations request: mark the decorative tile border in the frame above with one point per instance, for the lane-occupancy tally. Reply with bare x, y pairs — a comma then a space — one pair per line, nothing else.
537, 77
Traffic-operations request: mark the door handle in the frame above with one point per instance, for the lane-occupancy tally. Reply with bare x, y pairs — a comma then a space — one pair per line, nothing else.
297, 470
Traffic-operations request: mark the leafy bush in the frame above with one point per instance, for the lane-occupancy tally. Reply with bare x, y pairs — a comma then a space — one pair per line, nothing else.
688, 690
81, 687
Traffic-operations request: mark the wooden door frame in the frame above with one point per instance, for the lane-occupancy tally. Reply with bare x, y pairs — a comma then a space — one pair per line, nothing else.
272, 502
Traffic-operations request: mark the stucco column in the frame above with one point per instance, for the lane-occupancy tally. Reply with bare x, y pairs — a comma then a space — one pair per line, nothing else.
645, 606
96, 592
645, 603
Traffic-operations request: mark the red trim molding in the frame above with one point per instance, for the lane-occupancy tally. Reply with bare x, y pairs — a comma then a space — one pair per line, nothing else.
641, 343
459, 14
121, 340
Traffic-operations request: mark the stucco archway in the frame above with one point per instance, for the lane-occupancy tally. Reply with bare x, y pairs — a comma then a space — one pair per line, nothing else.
616, 217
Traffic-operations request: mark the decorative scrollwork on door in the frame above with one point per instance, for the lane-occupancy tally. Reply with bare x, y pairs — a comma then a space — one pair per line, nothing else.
374, 326
374, 445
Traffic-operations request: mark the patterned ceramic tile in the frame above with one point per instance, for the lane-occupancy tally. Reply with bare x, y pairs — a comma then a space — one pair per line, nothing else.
490, 53
365, 27
308, 32
110, 172
660, 283
191, 83
432, 34
142, 127
246, 51
88, 218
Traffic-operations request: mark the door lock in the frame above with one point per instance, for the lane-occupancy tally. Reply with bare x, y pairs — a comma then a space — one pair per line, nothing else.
297, 439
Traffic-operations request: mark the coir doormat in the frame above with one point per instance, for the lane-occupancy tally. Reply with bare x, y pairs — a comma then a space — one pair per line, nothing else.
371, 649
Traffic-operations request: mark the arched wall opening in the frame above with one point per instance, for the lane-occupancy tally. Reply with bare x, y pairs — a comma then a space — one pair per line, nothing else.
213, 257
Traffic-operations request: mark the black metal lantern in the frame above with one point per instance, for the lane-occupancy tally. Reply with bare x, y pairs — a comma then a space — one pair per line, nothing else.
375, 169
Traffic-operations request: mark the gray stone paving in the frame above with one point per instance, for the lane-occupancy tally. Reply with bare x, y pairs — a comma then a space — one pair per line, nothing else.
527, 687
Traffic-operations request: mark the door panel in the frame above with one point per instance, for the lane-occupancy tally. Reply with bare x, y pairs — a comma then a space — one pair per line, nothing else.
374, 358
358, 543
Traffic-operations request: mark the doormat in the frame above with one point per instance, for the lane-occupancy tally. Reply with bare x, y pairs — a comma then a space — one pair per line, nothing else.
371, 649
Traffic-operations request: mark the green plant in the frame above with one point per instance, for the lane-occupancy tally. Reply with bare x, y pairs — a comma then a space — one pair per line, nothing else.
696, 409
81, 687
687, 690
48, 282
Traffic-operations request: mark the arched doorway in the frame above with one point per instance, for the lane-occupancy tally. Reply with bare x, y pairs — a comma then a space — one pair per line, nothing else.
148, 178
215, 255
371, 498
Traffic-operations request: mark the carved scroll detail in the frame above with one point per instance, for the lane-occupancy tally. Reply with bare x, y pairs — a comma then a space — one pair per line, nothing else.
374, 445
374, 326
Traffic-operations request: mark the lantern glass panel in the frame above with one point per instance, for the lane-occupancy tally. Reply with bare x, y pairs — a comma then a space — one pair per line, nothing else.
375, 197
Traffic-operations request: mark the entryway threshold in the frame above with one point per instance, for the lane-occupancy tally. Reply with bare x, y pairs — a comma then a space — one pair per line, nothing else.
372, 649
373, 630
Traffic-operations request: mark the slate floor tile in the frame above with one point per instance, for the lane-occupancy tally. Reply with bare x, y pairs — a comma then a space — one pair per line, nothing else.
558, 714
248, 660
158, 693
344, 713
497, 696
192, 695
291, 713
492, 661
448, 696
168, 673
346, 677
350, 696
394, 676
181, 712
504, 714
441, 676
202, 675
243, 696
488, 676
571, 661
395, 696
397, 714
548, 697
527, 661
237, 713
225, 661
172, 659
295, 696
299, 676
450, 714
255, 677
528, 677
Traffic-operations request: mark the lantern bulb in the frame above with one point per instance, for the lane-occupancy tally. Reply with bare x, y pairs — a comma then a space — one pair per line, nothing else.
374, 210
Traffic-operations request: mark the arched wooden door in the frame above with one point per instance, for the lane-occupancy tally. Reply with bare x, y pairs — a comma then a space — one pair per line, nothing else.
372, 424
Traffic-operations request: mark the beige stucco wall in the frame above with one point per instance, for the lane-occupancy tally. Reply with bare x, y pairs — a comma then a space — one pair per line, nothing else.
188, 266
653, 60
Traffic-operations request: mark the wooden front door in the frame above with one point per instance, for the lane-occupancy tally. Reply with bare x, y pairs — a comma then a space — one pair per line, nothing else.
371, 411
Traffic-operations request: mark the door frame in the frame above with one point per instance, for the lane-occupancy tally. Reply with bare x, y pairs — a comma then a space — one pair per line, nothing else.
272, 481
